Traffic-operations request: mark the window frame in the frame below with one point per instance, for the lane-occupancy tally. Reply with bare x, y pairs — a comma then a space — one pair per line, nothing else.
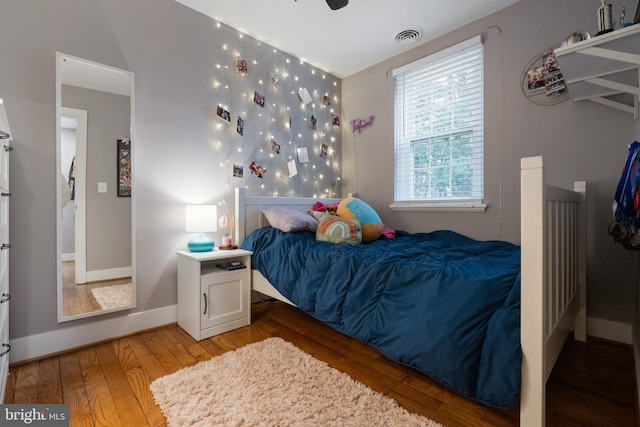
474, 204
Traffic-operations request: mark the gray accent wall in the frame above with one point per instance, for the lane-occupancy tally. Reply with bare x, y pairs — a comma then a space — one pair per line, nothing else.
184, 65
579, 141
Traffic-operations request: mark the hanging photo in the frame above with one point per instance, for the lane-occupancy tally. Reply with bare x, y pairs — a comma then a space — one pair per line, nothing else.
313, 122
275, 80
325, 100
535, 79
241, 66
335, 120
303, 155
240, 126
257, 170
324, 150
293, 169
223, 114
304, 95
238, 171
258, 99
275, 147
124, 166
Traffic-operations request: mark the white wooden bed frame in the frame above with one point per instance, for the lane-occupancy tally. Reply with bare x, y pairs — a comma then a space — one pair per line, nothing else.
553, 286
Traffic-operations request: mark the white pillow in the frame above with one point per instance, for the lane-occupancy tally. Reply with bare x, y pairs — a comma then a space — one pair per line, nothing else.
289, 219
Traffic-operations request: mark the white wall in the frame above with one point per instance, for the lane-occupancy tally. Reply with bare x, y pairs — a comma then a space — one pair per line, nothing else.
580, 141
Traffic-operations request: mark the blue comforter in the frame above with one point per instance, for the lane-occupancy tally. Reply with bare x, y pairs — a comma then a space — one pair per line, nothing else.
442, 303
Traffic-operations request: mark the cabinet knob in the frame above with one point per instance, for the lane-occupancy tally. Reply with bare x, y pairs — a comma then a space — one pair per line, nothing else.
5, 298
4, 353
5, 194
8, 148
5, 246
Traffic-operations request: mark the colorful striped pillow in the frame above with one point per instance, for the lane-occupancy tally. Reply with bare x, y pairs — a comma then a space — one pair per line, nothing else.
334, 229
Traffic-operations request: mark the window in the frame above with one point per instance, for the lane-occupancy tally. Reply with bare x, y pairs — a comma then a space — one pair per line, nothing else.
439, 130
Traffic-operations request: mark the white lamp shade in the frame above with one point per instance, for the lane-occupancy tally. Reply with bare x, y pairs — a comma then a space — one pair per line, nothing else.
201, 218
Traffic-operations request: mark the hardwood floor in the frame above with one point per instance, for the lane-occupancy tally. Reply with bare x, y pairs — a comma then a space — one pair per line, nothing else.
107, 384
78, 299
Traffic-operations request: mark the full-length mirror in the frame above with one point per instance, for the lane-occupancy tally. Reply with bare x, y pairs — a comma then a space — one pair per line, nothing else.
95, 246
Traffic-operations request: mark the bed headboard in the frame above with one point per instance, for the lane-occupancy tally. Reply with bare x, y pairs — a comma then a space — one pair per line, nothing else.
248, 210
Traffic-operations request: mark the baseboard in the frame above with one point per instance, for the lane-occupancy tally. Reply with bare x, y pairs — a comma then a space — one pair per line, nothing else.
636, 357
47, 343
109, 274
610, 330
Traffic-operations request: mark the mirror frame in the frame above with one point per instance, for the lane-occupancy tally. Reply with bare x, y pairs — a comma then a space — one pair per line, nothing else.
59, 57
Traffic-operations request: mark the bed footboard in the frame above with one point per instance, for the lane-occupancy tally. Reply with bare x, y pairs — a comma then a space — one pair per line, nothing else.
553, 287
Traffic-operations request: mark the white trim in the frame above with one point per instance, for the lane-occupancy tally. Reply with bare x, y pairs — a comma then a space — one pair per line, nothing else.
68, 257
610, 330
47, 343
433, 57
80, 219
636, 358
109, 274
440, 206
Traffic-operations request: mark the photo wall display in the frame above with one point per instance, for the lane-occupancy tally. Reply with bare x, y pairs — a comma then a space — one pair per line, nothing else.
277, 116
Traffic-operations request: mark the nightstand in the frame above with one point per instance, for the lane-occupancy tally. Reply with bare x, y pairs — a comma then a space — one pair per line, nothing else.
212, 300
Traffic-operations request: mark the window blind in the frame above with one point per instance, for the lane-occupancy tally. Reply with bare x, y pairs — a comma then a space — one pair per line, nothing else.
439, 128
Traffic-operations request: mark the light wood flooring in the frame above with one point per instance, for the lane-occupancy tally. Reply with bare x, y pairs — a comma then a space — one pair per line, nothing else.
107, 384
78, 299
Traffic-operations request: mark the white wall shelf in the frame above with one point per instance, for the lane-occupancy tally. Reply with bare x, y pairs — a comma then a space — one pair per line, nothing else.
605, 69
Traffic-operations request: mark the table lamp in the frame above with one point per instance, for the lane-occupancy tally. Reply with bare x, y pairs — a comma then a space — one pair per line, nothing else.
201, 219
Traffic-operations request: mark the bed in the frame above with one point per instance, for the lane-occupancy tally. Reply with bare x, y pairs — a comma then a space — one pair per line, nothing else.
508, 308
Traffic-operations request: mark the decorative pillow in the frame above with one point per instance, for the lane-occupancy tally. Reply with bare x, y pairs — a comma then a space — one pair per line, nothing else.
289, 220
354, 208
334, 229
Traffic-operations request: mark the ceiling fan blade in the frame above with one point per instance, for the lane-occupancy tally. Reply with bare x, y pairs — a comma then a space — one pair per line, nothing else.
337, 4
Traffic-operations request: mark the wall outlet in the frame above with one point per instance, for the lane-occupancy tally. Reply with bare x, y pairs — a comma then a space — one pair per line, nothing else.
102, 187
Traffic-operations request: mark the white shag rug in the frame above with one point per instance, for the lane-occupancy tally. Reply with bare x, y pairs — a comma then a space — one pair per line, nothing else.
273, 383
113, 296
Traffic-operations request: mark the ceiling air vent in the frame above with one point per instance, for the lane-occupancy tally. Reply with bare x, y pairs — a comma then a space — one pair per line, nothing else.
409, 35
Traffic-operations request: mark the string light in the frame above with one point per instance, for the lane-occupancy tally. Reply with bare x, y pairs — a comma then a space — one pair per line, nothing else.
283, 123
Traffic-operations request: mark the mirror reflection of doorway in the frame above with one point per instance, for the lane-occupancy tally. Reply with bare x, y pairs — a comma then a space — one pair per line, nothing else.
80, 296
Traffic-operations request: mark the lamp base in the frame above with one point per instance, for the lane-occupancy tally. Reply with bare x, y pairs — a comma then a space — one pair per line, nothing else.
200, 243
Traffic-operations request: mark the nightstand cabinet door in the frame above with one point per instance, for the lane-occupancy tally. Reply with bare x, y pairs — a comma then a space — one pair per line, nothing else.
224, 299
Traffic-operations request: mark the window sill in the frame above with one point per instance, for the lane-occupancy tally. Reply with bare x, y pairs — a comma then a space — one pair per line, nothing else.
439, 206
